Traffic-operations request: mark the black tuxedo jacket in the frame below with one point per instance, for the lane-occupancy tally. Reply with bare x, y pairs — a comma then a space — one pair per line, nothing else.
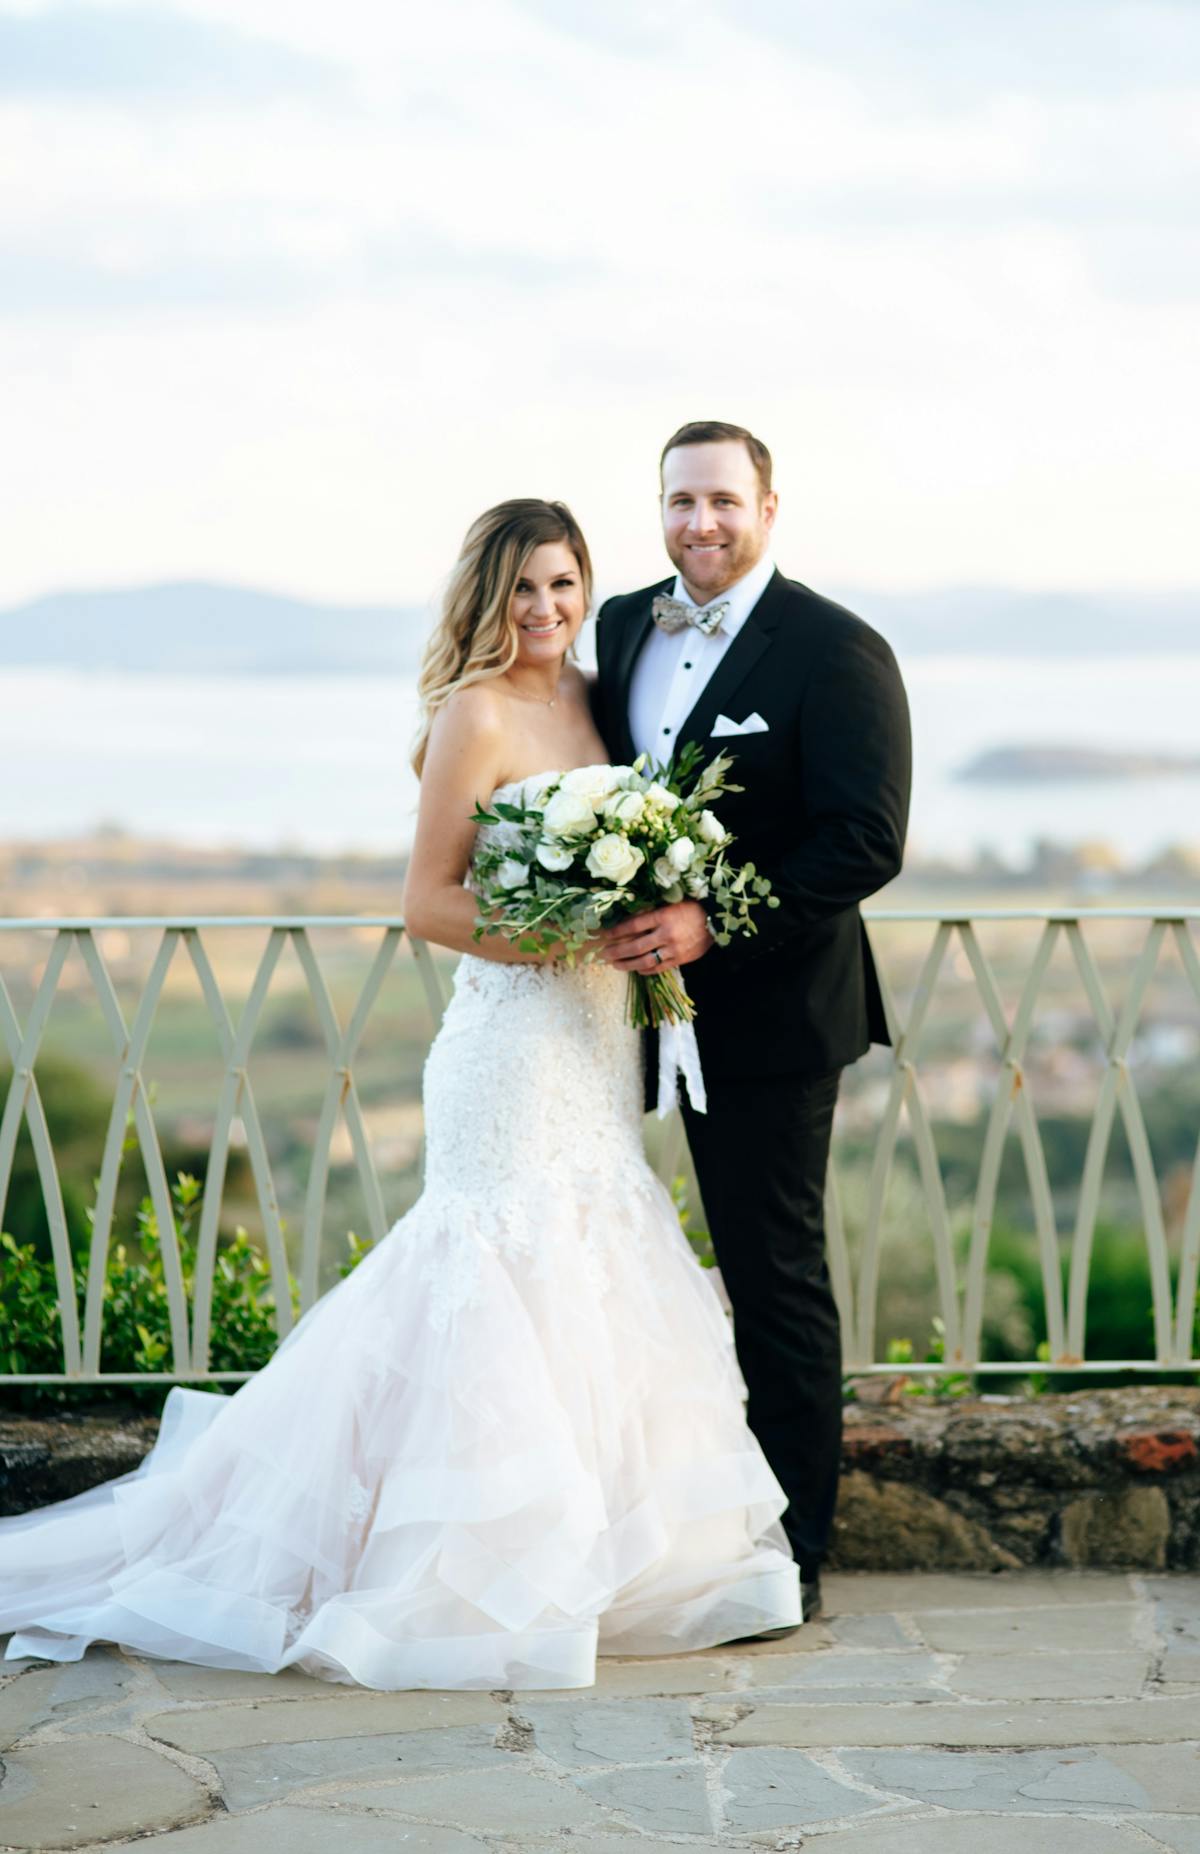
823, 816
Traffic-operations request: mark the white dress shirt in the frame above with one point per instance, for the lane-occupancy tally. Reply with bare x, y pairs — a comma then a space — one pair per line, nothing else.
673, 667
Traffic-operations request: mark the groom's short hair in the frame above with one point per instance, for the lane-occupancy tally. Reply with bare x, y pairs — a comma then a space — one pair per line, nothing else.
715, 431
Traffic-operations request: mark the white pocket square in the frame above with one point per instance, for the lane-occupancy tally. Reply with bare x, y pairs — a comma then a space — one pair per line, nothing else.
753, 724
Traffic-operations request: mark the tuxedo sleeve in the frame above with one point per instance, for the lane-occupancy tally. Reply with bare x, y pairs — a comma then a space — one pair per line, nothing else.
854, 756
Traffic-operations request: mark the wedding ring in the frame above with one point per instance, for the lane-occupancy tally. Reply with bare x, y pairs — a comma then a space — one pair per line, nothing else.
657, 956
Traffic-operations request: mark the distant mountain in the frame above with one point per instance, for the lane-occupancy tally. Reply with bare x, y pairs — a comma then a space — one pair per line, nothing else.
219, 629
1048, 765
993, 621
210, 629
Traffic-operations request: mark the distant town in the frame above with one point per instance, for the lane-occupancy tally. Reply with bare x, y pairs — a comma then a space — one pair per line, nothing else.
111, 872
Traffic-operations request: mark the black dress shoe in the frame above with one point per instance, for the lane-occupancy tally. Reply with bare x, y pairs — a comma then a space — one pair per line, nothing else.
764, 1635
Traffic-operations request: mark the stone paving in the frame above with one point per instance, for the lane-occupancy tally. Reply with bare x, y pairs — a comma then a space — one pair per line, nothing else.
1016, 1713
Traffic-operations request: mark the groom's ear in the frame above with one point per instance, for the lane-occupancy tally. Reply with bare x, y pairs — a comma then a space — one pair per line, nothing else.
770, 508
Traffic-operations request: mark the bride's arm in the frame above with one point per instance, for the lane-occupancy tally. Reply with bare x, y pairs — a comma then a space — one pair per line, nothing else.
464, 763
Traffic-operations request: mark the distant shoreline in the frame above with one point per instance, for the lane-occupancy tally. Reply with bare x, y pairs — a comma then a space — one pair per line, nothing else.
1051, 765
321, 763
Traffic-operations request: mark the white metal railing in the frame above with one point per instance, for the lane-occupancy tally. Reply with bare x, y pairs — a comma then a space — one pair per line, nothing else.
856, 1280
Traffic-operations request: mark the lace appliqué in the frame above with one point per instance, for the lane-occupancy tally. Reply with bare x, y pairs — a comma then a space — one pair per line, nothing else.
299, 1618
533, 1119
358, 1501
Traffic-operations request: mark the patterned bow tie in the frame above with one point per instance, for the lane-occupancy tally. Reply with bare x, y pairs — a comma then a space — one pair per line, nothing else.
673, 614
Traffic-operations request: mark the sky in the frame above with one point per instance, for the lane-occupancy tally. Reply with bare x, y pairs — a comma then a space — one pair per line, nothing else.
289, 292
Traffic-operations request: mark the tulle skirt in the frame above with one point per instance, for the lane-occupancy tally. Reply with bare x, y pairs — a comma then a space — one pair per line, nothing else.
471, 1464
512, 1438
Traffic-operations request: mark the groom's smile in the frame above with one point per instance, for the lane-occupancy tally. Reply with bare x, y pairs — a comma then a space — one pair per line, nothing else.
716, 518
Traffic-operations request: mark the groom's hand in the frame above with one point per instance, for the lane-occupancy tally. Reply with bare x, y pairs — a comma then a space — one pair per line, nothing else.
679, 932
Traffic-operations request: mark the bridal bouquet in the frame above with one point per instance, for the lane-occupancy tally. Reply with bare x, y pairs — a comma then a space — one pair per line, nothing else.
570, 851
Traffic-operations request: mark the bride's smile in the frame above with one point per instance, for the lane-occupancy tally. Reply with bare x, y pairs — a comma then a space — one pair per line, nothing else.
548, 605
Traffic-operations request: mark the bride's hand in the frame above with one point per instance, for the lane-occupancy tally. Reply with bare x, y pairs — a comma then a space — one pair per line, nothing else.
678, 932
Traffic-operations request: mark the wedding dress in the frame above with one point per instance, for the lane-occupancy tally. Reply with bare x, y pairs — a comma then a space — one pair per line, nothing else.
512, 1438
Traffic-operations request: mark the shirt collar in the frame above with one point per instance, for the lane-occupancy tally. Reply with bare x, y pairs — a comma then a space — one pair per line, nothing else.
743, 595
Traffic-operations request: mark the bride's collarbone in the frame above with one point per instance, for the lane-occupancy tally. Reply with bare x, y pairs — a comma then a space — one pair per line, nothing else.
553, 760
545, 750
545, 737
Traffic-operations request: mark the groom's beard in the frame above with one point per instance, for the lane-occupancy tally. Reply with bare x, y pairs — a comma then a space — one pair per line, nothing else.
707, 575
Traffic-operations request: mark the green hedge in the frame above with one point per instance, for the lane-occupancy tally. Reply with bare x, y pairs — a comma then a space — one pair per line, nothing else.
136, 1326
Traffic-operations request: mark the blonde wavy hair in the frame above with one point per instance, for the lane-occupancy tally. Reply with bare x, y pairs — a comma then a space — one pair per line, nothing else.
475, 638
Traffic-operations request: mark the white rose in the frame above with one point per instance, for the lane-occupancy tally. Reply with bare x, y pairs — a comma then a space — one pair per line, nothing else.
664, 872
657, 794
511, 873
697, 887
710, 827
681, 853
568, 815
591, 782
553, 856
614, 859
535, 789
628, 778
624, 807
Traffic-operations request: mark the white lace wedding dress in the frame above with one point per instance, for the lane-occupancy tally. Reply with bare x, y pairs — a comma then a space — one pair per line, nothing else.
512, 1438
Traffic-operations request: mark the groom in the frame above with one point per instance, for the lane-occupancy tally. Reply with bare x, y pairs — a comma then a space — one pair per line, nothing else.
808, 699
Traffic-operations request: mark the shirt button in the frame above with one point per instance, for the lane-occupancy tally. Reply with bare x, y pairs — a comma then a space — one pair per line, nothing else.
687, 666
666, 730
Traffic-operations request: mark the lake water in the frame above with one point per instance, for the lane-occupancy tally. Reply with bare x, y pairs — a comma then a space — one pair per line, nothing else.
322, 763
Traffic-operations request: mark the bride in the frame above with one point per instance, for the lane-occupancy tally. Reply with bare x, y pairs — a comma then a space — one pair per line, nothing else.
514, 1436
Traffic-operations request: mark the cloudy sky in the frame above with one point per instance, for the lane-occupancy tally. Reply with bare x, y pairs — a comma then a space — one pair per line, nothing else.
290, 290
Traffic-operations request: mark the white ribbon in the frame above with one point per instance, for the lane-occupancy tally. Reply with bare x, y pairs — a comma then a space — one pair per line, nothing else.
679, 1054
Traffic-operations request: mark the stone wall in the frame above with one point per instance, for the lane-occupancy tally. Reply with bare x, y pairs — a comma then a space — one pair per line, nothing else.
1094, 1478
1101, 1477
45, 1458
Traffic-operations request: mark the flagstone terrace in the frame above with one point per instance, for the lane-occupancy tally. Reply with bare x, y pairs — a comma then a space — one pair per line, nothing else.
1020, 1713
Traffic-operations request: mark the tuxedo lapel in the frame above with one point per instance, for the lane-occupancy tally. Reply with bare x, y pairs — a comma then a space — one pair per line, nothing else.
735, 666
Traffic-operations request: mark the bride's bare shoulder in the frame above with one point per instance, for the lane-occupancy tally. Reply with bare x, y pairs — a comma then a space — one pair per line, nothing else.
480, 709
469, 738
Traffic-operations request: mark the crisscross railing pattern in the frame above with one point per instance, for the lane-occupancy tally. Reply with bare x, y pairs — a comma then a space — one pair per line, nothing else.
962, 1315
236, 1102
855, 1270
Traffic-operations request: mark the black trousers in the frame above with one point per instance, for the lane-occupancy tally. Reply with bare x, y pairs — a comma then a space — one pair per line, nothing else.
761, 1153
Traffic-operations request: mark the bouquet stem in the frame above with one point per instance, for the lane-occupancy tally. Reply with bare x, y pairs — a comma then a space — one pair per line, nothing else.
656, 998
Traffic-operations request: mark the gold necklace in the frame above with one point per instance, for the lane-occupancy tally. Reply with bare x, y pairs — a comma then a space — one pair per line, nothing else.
543, 701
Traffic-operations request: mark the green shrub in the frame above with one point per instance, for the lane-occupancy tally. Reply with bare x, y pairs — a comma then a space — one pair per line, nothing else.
943, 1384
77, 1111
137, 1327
